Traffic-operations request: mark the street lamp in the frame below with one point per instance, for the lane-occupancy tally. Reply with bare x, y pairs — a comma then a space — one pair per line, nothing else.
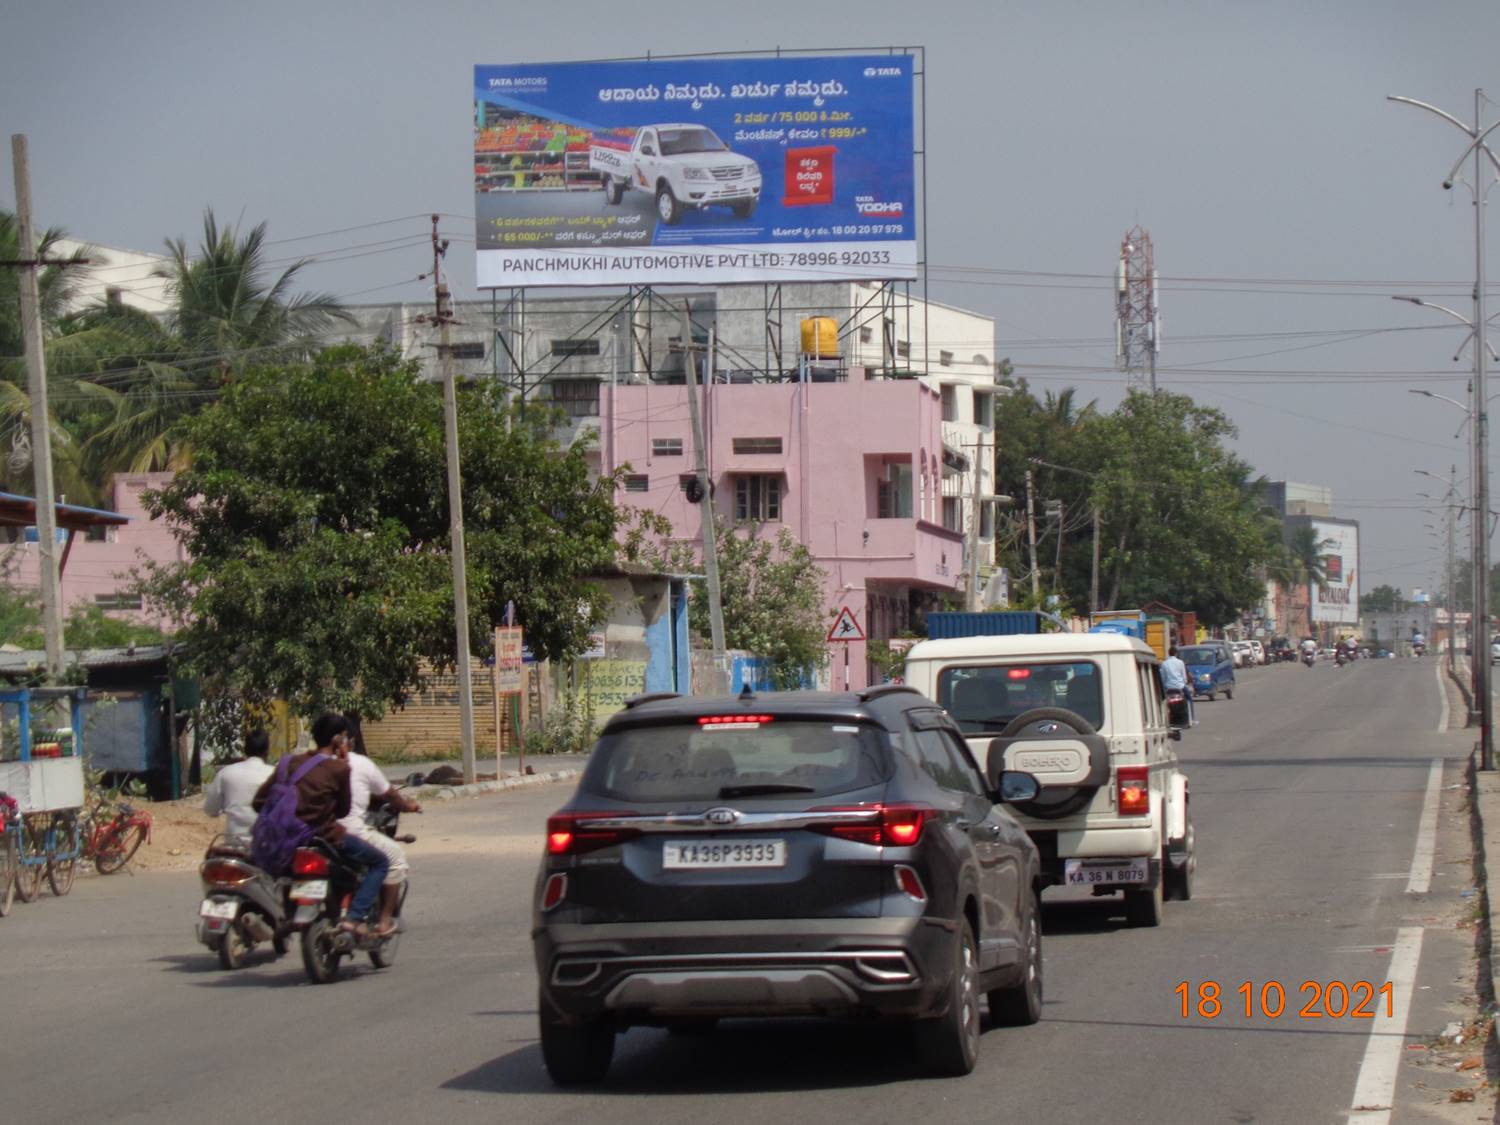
1480, 660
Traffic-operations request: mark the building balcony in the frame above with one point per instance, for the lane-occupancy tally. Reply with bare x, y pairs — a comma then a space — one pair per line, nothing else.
912, 551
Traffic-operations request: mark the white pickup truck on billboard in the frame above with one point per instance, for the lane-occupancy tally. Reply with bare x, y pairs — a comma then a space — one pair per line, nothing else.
682, 166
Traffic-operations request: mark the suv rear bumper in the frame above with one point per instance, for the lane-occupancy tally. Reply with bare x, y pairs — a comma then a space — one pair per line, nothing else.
1056, 846
653, 972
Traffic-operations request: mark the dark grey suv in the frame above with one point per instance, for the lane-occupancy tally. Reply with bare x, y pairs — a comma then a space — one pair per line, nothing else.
794, 853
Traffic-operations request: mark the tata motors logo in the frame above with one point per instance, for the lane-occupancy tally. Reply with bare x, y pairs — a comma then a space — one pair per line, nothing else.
869, 205
882, 72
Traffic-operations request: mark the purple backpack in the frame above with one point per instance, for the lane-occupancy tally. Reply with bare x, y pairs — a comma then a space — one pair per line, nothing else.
278, 831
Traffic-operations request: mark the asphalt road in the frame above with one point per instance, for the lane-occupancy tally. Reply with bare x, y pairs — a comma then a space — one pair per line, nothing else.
1307, 792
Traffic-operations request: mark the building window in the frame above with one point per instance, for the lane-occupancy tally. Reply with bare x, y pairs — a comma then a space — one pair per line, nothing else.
666, 447
757, 445
950, 514
471, 350
565, 348
950, 403
757, 497
637, 482
96, 533
578, 398
903, 348
117, 600
945, 358
866, 335
893, 494
984, 409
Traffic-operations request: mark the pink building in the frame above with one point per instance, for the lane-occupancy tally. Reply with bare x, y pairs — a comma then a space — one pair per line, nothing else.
854, 469
99, 564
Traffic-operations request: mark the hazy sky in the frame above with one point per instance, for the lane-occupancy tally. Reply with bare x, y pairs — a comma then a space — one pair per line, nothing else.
1287, 199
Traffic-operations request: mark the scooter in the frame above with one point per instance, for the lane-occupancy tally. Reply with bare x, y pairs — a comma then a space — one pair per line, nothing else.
1179, 713
1340, 658
1308, 658
242, 905
322, 886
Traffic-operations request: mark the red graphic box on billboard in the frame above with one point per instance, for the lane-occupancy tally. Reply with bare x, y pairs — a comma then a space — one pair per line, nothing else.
809, 175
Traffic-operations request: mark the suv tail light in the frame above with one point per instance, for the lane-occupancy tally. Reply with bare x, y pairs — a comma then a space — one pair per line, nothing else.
309, 862
571, 833
1133, 790
897, 826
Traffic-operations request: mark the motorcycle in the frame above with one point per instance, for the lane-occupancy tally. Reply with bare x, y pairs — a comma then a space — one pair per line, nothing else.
1340, 658
323, 884
242, 905
1178, 713
1308, 658
1418, 648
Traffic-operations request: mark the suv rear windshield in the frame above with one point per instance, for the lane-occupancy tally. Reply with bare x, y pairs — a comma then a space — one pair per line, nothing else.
988, 697
1199, 654
708, 762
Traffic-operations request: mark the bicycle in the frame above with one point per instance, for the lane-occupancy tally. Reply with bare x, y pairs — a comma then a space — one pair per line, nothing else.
111, 844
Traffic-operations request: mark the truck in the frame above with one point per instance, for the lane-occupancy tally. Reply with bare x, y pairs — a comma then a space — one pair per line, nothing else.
1155, 631
683, 166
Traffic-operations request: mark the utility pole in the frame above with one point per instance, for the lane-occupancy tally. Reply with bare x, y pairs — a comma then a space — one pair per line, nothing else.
1094, 574
974, 531
41, 437
1036, 579
709, 530
1452, 619
443, 317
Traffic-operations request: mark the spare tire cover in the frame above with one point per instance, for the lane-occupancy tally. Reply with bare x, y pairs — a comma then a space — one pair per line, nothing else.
1054, 801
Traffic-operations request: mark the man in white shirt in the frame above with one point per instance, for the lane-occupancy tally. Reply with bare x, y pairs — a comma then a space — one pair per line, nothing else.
1174, 676
365, 781
234, 786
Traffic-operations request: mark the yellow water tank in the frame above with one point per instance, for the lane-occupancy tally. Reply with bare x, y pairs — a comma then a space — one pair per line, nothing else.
820, 337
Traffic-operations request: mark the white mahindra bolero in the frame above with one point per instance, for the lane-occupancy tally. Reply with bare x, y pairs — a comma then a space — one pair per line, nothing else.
1083, 712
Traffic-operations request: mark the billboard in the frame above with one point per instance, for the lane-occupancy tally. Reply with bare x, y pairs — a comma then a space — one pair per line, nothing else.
700, 171
1337, 600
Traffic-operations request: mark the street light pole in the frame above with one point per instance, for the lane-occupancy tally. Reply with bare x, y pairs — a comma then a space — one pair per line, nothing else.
1479, 651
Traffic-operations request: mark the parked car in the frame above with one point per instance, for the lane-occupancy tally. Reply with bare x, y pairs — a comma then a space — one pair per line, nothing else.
786, 854
1085, 714
1240, 653
1495, 651
1210, 668
1260, 652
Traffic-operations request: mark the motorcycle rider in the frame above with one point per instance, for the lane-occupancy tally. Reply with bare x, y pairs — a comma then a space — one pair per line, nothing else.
235, 786
323, 799
1309, 648
1174, 676
365, 781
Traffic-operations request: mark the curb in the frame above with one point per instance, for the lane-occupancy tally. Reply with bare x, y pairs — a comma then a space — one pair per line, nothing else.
1451, 671
525, 781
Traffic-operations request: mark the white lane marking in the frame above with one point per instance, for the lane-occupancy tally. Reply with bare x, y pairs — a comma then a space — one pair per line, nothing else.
1375, 1088
1421, 861
1443, 695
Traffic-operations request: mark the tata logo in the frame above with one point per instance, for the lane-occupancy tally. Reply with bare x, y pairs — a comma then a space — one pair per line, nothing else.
721, 816
882, 72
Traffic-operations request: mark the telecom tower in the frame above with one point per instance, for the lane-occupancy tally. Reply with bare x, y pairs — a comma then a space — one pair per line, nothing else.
1137, 315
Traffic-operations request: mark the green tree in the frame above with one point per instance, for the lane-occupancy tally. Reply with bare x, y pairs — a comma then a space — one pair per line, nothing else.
1182, 520
229, 313
314, 515
1382, 599
772, 594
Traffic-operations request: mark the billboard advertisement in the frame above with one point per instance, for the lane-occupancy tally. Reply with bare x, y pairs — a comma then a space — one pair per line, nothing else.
1337, 600
700, 171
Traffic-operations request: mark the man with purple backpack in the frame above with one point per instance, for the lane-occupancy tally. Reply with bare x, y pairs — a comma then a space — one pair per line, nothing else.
305, 798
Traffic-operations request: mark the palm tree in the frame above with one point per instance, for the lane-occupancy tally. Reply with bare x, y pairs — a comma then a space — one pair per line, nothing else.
227, 315
1308, 561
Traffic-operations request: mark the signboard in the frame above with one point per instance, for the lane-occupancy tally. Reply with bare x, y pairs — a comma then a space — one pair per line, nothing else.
607, 684
845, 628
703, 171
508, 658
1336, 601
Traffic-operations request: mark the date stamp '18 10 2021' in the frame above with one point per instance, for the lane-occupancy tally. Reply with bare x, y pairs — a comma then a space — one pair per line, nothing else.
1309, 1000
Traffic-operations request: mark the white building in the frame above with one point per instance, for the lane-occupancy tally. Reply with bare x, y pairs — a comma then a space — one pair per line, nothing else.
115, 274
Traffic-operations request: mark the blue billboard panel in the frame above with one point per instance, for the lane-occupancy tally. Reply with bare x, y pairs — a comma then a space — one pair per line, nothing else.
702, 171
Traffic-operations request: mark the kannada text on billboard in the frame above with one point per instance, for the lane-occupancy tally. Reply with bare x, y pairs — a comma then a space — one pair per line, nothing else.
702, 171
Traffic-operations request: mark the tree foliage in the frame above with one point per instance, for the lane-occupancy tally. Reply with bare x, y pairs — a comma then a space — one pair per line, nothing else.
1182, 519
772, 594
315, 518
1382, 599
